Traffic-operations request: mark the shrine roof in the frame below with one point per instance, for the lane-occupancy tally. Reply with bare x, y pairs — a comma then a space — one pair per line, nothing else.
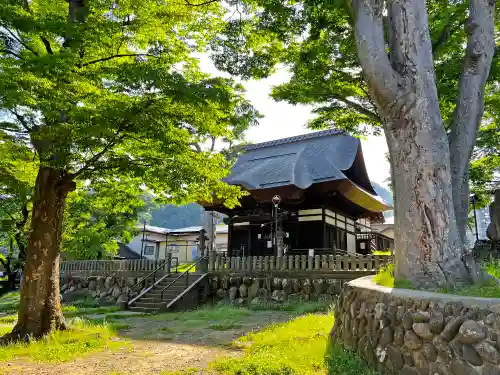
306, 160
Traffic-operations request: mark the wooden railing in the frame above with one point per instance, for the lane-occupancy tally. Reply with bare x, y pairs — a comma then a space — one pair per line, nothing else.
218, 263
317, 263
98, 267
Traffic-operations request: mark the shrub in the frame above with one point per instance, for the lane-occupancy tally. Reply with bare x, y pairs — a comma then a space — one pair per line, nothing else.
385, 276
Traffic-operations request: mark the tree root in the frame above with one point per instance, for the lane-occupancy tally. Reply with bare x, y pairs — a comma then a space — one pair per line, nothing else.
15, 337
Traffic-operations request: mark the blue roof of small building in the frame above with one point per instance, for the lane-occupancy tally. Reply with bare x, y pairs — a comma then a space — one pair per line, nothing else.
300, 161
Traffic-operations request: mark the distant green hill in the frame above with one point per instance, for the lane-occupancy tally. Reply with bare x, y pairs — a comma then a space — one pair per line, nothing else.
174, 217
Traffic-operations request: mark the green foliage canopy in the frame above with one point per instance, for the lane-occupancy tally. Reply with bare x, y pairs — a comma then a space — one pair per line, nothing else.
104, 90
315, 40
100, 216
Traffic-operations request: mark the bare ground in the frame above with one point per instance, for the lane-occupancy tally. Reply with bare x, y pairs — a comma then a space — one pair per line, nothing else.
153, 346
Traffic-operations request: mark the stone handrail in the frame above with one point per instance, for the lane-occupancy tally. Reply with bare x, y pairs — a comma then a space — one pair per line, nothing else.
317, 263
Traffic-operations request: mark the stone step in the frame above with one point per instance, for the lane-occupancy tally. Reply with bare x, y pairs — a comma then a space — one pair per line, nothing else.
159, 295
171, 287
143, 309
152, 304
150, 298
157, 299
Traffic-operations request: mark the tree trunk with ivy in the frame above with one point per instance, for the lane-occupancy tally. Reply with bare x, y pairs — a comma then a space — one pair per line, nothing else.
430, 169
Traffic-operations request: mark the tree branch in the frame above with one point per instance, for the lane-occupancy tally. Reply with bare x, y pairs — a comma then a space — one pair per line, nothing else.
22, 120
115, 57
110, 144
358, 107
20, 41
11, 53
196, 146
371, 46
469, 108
445, 35
200, 4
46, 43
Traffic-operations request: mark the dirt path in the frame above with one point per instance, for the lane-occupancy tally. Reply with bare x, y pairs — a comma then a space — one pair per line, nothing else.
143, 358
152, 346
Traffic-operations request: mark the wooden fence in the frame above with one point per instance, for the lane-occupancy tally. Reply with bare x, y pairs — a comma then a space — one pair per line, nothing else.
217, 263
318, 263
103, 267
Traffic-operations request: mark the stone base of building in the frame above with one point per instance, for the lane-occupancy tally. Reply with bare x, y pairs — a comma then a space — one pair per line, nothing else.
251, 290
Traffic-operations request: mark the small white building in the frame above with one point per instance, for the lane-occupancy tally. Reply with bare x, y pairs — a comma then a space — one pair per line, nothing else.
155, 242
150, 242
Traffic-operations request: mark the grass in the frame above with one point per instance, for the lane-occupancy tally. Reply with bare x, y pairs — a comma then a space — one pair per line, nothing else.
300, 346
385, 277
343, 362
299, 308
381, 252
9, 302
225, 326
83, 338
205, 314
183, 267
296, 347
9, 319
491, 289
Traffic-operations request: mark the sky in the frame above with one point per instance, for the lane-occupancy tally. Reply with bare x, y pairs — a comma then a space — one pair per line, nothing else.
283, 120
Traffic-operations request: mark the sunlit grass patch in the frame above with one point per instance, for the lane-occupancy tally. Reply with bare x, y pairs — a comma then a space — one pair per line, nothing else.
295, 347
4, 329
183, 267
385, 277
299, 308
381, 252
83, 338
9, 319
205, 314
74, 311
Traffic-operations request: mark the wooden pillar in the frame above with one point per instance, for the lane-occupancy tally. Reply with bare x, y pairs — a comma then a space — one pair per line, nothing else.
229, 235
202, 250
323, 214
249, 241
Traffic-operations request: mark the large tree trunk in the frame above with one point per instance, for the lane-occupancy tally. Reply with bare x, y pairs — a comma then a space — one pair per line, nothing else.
40, 308
429, 251
469, 110
402, 85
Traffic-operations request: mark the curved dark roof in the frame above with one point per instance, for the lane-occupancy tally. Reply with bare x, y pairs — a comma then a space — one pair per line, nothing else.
299, 161
302, 161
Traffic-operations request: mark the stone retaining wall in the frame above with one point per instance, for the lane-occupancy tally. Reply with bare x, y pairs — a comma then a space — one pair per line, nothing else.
105, 290
236, 290
256, 290
419, 333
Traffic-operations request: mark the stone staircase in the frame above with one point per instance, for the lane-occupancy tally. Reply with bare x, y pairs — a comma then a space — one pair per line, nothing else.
152, 302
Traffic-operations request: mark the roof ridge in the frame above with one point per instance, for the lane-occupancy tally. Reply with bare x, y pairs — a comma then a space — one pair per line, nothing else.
297, 138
